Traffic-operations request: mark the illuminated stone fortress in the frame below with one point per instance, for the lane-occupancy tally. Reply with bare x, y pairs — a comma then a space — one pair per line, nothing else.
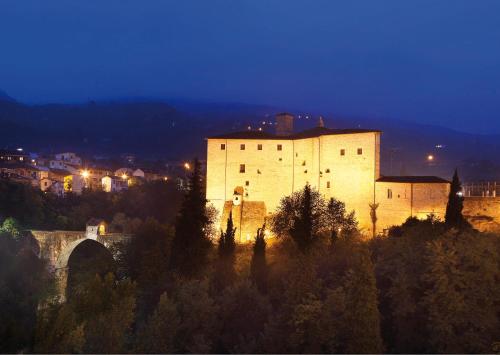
249, 172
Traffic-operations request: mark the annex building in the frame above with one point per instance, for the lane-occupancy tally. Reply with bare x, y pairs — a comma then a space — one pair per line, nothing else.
249, 172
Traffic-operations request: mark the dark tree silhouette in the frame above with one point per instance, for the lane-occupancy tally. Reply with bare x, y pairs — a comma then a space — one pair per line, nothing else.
453, 216
302, 230
225, 271
258, 266
191, 244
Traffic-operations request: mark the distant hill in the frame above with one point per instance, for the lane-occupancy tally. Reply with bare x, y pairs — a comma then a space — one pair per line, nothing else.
175, 129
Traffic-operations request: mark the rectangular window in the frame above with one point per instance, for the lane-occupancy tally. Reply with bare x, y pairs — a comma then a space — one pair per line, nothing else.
389, 193
259, 146
342, 152
242, 147
328, 184
247, 183
242, 168
222, 147
360, 151
279, 147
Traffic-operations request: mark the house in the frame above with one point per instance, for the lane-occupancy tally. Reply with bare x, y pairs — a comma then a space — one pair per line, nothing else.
146, 174
124, 172
74, 183
95, 227
13, 156
69, 158
114, 183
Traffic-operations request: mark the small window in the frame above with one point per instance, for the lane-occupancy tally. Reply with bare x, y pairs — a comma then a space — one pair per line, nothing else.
280, 159
327, 171
258, 171
389, 193
242, 147
259, 146
247, 183
279, 147
242, 168
342, 152
304, 163
328, 184
222, 147
360, 151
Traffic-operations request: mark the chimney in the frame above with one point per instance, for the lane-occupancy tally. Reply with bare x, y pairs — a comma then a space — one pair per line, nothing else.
284, 124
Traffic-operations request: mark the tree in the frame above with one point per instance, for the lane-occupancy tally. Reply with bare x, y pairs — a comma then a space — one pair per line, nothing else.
453, 216
258, 266
241, 326
191, 243
374, 218
225, 272
158, 334
338, 220
147, 260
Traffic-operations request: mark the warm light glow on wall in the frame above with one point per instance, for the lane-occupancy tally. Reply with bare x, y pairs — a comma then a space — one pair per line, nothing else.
85, 174
124, 176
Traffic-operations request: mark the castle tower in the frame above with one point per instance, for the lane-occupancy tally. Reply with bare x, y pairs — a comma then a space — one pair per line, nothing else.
284, 124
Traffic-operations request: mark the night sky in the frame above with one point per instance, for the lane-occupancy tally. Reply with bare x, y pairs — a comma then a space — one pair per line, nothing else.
430, 61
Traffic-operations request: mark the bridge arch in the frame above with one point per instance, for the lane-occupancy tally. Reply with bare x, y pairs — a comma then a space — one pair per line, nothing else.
57, 247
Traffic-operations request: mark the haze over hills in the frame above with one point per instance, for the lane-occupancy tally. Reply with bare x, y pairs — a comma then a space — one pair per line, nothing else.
175, 129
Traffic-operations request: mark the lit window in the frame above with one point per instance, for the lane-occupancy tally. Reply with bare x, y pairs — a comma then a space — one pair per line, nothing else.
342, 152
242, 147
389, 193
242, 168
328, 184
360, 151
259, 146
279, 147
222, 147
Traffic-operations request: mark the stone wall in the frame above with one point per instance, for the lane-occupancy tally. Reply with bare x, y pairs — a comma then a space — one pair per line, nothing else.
271, 174
483, 213
409, 200
247, 218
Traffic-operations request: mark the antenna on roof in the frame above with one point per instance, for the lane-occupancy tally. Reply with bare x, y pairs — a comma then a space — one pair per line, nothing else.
321, 123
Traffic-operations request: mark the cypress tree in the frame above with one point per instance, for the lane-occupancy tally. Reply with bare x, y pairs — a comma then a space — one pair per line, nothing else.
258, 266
191, 244
302, 229
225, 272
453, 216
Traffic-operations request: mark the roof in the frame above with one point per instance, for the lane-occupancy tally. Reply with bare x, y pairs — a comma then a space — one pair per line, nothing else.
60, 172
310, 133
414, 179
13, 152
16, 165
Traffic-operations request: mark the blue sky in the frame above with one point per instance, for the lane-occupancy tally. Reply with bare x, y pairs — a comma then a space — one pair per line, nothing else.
429, 61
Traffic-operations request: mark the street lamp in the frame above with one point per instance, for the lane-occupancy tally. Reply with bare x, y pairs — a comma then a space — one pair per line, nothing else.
85, 174
187, 166
124, 176
430, 157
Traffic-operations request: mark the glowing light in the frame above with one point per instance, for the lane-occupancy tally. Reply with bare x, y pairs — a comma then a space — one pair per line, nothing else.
249, 128
165, 178
260, 128
460, 193
19, 149
124, 176
187, 166
430, 157
85, 174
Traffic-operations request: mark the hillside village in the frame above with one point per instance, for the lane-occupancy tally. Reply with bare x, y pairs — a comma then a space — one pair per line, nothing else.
66, 172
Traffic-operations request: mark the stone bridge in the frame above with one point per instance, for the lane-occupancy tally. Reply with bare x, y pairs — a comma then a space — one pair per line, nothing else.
56, 247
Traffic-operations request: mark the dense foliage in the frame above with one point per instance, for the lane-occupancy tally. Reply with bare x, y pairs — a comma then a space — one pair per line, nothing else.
423, 288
